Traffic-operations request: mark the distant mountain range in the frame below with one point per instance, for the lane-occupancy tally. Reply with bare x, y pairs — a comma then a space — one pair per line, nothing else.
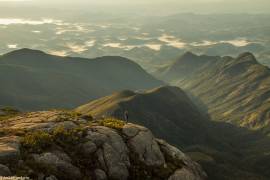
33, 80
233, 90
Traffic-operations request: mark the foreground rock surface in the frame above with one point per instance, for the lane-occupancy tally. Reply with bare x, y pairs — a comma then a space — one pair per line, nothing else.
61, 145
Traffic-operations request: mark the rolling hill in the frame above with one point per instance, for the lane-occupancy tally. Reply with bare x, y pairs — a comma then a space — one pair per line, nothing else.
33, 80
233, 90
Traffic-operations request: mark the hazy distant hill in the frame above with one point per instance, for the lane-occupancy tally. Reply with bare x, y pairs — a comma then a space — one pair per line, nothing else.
235, 90
33, 80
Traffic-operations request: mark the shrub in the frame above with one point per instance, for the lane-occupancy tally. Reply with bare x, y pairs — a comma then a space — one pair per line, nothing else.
72, 116
37, 141
62, 135
112, 123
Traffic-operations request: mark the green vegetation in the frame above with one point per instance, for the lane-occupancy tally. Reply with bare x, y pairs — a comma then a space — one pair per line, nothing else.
63, 136
37, 141
68, 115
73, 114
76, 115
40, 140
112, 123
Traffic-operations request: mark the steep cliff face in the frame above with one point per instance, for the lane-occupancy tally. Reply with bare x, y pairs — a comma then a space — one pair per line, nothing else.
67, 146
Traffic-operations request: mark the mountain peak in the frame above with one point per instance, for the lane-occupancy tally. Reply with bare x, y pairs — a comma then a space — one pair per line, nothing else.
246, 56
188, 55
25, 51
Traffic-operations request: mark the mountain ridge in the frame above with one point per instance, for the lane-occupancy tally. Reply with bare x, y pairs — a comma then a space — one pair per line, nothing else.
156, 109
34, 80
234, 90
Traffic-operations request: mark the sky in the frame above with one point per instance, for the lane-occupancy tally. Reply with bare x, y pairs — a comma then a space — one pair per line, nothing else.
154, 1
222, 6
151, 1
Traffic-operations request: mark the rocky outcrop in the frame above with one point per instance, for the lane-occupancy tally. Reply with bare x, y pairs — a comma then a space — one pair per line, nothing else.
144, 145
4, 170
61, 145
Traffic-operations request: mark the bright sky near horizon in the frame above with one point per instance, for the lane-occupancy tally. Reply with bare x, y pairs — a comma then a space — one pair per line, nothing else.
262, 2
240, 6
151, 1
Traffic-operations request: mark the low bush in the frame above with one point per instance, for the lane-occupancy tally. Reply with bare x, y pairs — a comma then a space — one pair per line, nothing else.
112, 123
62, 135
37, 141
